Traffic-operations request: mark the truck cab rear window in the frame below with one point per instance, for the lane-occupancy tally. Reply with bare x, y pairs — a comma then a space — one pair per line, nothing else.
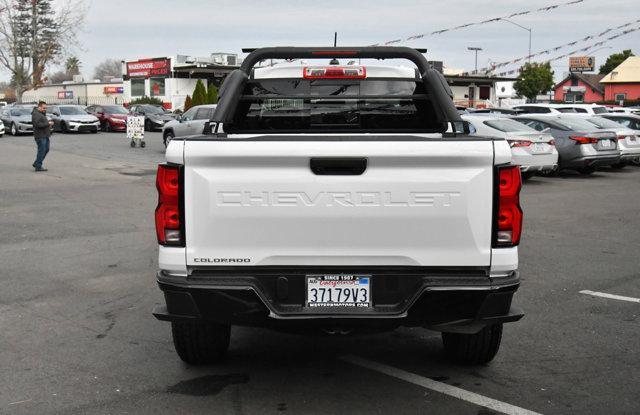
329, 105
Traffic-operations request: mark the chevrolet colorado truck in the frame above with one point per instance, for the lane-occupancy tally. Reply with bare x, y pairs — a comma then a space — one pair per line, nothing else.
331, 197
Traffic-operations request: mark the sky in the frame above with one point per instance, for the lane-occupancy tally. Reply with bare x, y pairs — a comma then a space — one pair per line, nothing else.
133, 29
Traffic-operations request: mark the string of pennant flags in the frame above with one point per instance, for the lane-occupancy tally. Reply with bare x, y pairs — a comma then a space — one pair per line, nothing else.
495, 66
573, 52
494, 19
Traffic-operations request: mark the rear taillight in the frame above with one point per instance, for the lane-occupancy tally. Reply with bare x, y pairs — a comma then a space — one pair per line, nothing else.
334, 72
168, 215
519, 143
584, 140
508, 211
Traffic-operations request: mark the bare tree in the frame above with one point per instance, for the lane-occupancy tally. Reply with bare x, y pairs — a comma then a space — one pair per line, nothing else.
33, 35
108, 67
59, 77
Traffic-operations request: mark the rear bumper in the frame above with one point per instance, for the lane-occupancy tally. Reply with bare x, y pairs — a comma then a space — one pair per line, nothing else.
462, 300
596, 161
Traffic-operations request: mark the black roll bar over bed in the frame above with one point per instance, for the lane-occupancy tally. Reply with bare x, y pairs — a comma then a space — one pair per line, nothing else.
435, 83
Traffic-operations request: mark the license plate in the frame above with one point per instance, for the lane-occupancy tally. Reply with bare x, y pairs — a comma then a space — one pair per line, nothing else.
605, 143
539, 147
338, 290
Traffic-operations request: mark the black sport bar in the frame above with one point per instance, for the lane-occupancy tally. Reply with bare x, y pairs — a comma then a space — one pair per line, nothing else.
434, 81
361, 52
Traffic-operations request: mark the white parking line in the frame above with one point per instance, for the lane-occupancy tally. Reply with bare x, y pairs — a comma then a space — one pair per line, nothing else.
444, 388
611, 296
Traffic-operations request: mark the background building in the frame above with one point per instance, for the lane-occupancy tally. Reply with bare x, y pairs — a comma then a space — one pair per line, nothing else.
171, 79
579, 88
79, 92
623, 83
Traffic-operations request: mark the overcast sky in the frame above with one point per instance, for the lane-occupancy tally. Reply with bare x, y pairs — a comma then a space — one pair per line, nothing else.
132, 29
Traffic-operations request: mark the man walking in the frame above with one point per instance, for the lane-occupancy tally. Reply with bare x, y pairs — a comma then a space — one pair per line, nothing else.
41, 133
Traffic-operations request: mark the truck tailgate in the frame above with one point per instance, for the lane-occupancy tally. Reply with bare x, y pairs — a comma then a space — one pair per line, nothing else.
419, 202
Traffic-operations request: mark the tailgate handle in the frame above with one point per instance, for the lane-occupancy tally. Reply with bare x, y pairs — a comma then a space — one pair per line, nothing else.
338, 166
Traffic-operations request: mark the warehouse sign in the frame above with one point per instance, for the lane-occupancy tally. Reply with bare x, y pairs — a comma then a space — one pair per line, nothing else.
582, 63
113, 90
147, 68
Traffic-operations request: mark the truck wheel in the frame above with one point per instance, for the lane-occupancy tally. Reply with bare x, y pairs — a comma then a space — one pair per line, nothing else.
473, 349
200, 343
586, 170
528, 174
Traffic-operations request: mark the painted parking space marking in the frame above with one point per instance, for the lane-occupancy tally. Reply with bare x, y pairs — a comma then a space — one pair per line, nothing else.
441, 387
611, 296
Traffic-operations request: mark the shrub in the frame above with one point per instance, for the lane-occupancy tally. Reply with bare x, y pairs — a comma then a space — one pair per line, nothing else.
199, 96
212, 94
146, 100
187, 103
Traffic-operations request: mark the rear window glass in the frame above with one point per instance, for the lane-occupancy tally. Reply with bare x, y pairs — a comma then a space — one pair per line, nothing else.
577, 124
568, 110
604, 123
507, 126
600, 110
334, 105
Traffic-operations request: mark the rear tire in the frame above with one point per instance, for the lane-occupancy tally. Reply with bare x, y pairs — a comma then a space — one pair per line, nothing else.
473, 349
200, 343
168, 137
528, 174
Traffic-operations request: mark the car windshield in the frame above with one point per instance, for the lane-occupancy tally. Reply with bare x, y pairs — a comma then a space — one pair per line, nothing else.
600, 110
508, 126
72, 111
20, 111
115, 110
603, 122
151, 109
577, 124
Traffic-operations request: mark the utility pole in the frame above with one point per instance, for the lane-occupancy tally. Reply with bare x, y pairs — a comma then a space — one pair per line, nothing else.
528, 29
475, 49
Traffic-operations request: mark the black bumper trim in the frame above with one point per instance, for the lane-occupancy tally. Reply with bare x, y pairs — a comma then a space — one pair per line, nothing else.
437, 299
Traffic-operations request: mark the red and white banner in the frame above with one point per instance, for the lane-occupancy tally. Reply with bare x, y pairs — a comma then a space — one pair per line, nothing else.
149, 68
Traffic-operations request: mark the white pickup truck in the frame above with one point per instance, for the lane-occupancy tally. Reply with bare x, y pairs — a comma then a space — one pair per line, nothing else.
331, 197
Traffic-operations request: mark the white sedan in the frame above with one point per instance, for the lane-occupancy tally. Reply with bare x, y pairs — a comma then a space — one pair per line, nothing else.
532, 150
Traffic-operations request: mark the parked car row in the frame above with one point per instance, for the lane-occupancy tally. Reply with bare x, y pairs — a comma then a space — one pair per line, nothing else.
547, 142
77, 118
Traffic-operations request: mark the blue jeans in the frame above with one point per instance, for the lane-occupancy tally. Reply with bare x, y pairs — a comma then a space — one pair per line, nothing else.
43, 149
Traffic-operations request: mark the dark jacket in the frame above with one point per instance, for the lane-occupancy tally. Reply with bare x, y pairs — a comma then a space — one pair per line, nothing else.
41, 127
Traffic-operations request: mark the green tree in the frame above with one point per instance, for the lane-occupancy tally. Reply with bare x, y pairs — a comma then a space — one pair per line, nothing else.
212, 94
535, 79
199, 96
187, 103
614, 60
72, 65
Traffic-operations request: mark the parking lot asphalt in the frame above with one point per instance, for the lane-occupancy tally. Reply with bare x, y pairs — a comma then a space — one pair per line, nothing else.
77, 262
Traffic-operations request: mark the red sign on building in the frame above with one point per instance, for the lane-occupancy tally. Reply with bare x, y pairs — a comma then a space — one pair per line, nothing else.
148, 68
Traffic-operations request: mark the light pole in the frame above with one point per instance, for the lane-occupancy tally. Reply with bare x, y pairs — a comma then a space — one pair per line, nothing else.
475, 49
528, 29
